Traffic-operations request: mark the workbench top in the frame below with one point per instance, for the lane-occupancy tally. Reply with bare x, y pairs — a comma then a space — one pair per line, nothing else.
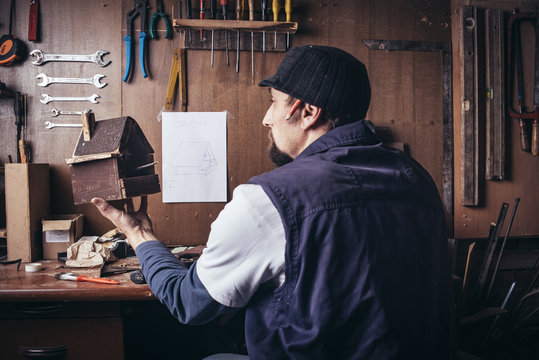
43, 286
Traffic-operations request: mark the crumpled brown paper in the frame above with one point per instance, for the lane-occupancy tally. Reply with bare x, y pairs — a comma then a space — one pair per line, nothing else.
87, 252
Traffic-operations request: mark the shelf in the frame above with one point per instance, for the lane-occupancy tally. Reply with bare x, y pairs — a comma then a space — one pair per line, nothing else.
241, 25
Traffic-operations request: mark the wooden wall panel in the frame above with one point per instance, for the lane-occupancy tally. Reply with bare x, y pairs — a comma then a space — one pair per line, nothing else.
522, 168
406, 89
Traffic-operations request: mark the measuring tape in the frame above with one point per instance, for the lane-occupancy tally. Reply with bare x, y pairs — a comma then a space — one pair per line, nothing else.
11, 50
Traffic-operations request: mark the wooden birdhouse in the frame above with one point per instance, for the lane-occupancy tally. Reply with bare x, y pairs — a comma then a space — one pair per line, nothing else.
115, 163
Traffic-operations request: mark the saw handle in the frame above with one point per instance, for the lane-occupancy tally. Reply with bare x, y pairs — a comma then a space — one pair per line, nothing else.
535, 138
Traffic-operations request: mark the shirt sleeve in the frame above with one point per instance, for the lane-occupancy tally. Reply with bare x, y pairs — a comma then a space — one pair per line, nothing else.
177, 287
245, 248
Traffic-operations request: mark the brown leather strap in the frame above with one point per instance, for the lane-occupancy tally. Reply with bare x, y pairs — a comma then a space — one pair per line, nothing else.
33, 20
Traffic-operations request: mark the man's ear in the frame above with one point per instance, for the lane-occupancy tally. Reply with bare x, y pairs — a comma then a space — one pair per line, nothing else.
310, 116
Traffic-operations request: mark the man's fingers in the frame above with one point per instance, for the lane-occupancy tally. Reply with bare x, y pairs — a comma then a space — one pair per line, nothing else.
143, 204
129, 206
110, 212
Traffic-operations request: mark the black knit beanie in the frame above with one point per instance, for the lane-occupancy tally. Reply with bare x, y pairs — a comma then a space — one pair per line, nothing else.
326, 77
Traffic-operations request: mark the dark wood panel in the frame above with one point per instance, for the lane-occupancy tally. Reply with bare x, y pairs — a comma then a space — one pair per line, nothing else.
406, 91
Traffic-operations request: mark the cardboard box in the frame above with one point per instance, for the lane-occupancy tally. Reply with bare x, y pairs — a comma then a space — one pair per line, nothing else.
27, 202
59, 232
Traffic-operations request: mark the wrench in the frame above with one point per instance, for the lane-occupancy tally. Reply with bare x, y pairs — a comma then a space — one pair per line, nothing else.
47, 99
50, 125
56, 112
96, 57
45, 80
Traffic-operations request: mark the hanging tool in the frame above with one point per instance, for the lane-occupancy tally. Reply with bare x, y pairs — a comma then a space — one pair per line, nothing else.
514, 64
239, 16
201, 15
33, 21
95, 80
159, 13
276, 6
50, 125
18, 110
12, 49
140, 9
96, 57
56, 112
288, 11
535, 126
224, 7
47, 99
213, 12
188, 14
263, 7
177, 73
251, 18
75, 277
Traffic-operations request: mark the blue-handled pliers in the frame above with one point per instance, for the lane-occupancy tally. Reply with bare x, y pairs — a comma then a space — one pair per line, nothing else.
159, 12
140, 8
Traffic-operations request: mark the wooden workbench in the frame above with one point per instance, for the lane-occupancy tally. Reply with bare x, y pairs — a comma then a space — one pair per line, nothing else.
84, 320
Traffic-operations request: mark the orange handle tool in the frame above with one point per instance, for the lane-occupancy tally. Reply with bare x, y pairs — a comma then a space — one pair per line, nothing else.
97, 280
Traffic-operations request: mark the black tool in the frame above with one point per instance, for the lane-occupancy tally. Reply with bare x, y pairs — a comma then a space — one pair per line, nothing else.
12, 49
137, 277
159, 13
140, 9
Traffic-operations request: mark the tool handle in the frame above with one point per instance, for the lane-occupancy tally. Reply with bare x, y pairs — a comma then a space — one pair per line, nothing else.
142, 41
168, 26
97, 280
224, 8
33, 19
128, 42
18, 108
153, 25
288, 9
275, 8
535, 138
524, 138
263, 8
213, 9
188, 9
239, 9
201, 10
251, 10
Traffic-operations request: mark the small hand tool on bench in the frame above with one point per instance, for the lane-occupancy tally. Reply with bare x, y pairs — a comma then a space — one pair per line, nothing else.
75, 277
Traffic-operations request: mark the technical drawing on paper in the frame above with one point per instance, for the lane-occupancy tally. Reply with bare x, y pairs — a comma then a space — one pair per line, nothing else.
193, 158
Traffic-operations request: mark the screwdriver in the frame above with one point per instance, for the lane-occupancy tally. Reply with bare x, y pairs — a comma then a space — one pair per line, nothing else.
201, 15
224, 7
251, 18
263, 7
188, 14
275, 8
239, 16
288, 11
213, 12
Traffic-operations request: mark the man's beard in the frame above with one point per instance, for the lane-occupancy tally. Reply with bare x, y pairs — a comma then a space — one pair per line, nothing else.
276, 156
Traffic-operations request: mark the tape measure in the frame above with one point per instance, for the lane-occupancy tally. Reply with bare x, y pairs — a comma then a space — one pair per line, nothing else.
12, 50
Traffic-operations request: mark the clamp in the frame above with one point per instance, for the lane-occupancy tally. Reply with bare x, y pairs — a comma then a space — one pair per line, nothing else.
159, 12
140, 8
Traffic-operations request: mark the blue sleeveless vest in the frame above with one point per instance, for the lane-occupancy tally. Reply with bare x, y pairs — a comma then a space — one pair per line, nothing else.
367, 268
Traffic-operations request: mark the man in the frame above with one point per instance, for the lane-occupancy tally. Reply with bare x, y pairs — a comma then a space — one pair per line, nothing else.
339, 253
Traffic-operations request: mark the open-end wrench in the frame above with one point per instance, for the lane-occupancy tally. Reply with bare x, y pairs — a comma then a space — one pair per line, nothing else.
47, 99
56, 112
46, 80
96, 57
50, 125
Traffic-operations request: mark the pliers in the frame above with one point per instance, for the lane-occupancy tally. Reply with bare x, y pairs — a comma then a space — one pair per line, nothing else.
159, 12
140, 8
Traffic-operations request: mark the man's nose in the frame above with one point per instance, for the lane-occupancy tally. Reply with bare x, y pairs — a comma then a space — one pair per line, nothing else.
267, 118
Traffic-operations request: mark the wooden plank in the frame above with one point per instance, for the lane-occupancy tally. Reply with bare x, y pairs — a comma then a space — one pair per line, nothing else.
140, 185
469, 113
495, 109
242, 25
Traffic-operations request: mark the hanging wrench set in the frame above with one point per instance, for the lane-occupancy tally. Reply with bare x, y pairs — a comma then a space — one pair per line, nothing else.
42, 57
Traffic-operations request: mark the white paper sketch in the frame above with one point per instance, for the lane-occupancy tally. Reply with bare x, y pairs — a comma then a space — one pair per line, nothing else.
194, 157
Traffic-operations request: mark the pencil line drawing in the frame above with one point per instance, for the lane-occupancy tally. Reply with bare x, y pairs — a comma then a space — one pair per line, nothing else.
193, 158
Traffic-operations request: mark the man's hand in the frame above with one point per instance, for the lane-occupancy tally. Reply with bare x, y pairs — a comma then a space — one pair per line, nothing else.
136, 225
